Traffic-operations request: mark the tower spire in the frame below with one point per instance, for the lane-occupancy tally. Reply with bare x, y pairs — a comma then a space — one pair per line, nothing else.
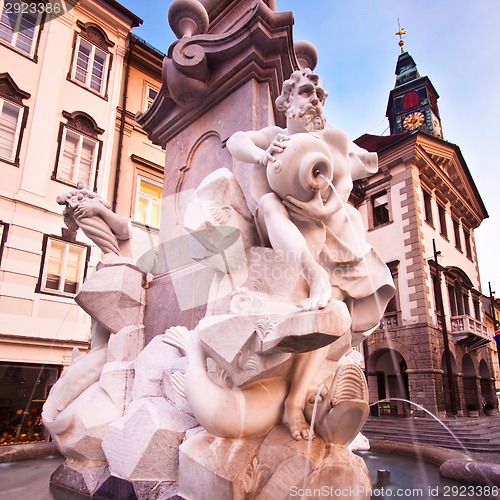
400, 33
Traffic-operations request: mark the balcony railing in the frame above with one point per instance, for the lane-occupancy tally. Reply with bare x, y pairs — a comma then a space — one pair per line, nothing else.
465, 326
390, 320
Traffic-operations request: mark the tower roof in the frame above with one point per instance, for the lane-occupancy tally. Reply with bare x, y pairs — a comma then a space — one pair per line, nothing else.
406, 69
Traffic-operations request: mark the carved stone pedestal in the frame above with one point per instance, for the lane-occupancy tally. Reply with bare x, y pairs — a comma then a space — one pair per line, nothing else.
268, 468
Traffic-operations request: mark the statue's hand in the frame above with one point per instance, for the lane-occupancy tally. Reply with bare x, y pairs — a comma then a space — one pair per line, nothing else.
277, 146
88, 210
314, 209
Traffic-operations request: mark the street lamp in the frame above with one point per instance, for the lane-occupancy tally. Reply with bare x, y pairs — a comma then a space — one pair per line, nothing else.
447, 353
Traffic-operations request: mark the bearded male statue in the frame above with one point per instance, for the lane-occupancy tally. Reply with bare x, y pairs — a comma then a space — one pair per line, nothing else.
323, 237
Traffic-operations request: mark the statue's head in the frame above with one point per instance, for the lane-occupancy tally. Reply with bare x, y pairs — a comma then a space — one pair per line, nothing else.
302, 98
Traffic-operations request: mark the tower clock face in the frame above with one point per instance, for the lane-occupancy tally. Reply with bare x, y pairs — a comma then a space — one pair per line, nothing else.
413, 120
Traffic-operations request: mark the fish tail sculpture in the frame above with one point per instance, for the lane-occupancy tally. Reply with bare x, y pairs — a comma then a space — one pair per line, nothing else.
249, 411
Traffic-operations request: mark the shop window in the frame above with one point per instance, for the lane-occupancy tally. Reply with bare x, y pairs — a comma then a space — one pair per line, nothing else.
92, 60
79, 151
19, 27
63, 268
380, 209
442, 221
13, 116
428, 207
148, 203
23, 391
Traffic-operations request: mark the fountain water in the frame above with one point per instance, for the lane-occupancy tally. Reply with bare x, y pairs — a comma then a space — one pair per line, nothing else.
420, 407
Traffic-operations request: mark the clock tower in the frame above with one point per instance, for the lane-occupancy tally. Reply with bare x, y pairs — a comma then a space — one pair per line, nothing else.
413, 101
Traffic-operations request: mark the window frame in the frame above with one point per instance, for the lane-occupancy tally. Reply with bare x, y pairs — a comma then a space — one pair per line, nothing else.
140, 179
456, 231
17, 130
148, 101
84, 126
35, 40
427, 201
468, 243
373, 209
93, 35
10, 93
443, 225
41, 286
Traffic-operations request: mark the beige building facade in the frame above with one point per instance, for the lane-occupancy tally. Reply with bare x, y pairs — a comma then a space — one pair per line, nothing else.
60, 86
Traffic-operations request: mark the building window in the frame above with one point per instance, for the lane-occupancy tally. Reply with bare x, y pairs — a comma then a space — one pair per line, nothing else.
453, 301
151, 94
63, 267
148, 203
410, 100
468, 246
428, 207
19, 27
12, 118
477, 309
456, 229
380, 209
442, 221
79, 151
10, 127
91, 60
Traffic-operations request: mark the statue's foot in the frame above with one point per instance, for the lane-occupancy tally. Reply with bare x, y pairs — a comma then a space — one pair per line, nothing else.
320, 291
293, 418
348, 396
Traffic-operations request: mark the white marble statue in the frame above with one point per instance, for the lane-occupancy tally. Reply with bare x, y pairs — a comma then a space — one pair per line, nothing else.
320, 234
112, 233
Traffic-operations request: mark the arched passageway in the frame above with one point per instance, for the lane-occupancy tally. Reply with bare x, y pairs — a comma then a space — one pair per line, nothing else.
488, 394
470, 385
388, 371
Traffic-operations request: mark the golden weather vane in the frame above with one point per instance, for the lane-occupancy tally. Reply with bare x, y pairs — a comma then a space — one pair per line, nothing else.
400, 33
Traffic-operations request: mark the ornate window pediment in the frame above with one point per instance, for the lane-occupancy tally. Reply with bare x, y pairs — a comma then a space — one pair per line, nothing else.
91, 58
79, 150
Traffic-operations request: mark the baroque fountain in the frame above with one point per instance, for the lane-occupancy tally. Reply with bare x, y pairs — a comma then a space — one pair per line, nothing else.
217, 357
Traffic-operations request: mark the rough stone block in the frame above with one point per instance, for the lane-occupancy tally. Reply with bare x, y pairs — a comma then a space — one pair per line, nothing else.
144, 444
113, 295
149, 367
126, 344
247, 345
92, 412
287, 462
117, 379
80, 478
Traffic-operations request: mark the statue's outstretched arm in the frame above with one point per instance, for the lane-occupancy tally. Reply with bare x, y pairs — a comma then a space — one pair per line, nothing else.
119, 226
251, 146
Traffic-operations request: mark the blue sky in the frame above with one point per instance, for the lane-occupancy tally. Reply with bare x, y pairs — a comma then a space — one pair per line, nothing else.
454, 43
